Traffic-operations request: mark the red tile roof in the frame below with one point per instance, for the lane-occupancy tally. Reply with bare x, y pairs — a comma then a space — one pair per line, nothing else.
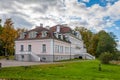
63, 29
50, 32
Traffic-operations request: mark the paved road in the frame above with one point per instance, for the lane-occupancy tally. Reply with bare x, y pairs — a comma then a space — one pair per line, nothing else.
10, 63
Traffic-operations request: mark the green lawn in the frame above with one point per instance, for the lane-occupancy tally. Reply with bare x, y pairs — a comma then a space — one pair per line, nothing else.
79, 70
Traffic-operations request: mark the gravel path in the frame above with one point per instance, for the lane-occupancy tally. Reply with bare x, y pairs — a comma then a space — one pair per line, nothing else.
11, 63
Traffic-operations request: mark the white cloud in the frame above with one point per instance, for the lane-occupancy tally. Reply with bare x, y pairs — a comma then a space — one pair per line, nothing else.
51, 12
29, 13
85, 0
118, 47
117, 28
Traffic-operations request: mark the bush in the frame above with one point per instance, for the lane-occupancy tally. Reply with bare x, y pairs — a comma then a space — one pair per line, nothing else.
106, 57
117, 56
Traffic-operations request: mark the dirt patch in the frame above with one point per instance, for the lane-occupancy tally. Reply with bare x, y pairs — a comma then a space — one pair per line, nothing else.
115, 62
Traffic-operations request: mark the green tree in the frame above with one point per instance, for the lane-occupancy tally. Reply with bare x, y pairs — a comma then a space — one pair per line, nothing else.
98, 43
106, 57
8, 36
106, 43
93, 44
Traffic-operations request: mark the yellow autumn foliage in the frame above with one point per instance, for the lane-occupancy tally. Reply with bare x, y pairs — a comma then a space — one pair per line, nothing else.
8, 36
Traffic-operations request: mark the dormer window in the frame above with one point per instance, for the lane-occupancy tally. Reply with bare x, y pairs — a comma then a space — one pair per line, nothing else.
22, 35
56, 34
73, 32
66, 38
60, 36
32, 34
44, 33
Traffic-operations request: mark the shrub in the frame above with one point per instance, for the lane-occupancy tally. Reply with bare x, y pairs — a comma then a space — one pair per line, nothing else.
106, 57
117, 56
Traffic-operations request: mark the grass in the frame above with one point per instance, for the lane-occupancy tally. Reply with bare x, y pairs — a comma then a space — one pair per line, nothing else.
80, 70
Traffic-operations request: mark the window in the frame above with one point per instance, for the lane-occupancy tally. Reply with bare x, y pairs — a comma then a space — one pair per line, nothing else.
32, 34
44, 33
60, 36
56, 49
22, 35
56, 35
44, 48
61, 49
66, 49
29, 48
22, 48
22, 56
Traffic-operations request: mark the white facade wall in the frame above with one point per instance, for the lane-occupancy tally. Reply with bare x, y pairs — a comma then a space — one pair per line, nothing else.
61, 44
65, 50
77, 46
36, 50
36, 46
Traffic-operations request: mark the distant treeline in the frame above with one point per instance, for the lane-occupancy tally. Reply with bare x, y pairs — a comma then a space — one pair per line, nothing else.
98, 43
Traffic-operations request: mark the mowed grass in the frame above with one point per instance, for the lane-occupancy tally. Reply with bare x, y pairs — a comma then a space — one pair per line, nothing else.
78, 70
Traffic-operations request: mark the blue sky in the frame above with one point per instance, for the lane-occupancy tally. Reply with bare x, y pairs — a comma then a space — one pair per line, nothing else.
115, 28
95, 15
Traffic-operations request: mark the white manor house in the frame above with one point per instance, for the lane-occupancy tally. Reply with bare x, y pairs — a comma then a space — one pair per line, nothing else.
50, 44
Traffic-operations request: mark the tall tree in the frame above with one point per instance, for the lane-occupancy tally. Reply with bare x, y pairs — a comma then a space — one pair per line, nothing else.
8, 36
87, 37
21, 30
0, 26
98, 43
106, 43
1, 45
93, 44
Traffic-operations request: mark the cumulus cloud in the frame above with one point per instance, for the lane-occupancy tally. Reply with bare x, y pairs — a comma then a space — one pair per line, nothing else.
28, 13
118, 47
117, 28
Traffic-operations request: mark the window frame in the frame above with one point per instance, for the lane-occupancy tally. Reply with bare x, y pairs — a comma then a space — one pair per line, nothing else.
44, 48
29, 48
21, 48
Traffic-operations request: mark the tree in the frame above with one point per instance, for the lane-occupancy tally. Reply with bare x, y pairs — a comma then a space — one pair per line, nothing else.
1, 45
106, 43
0, 26
21, 30
8, 36
88, 38
106, 57
98, 43
93, 44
